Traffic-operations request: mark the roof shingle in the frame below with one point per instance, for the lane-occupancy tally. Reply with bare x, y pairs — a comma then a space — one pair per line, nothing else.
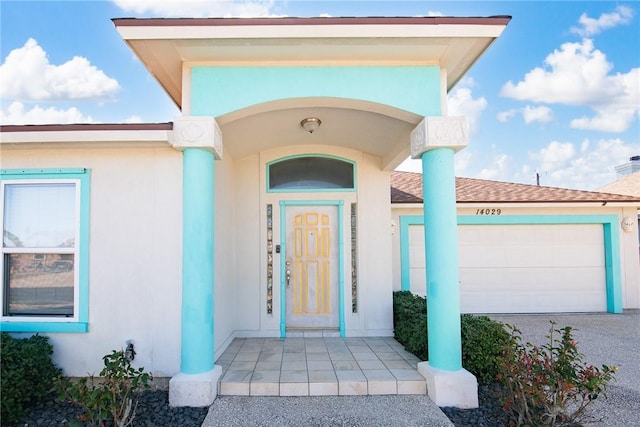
629, 184
406, 187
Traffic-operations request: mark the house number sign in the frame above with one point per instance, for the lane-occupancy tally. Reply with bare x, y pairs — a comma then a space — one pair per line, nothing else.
489, 211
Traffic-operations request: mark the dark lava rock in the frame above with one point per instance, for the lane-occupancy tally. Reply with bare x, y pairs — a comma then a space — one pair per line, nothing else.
153, 410
488, 414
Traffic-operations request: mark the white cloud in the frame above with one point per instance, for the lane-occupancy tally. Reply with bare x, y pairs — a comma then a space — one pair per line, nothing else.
410, 165
505, 116
584, 166
591, 26
554, 156
578, 75
27, 75
17, 115
199, 8
498, 168
462, 103
540, 114
617, 114
530, 114
462, 162
133, 119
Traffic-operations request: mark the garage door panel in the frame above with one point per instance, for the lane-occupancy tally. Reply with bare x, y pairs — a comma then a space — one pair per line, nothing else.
554, 256
505, 279
487, 256
527, 268
418, 282
417, 259
530, 256
578, 255
416, 234
530, 302
479, 236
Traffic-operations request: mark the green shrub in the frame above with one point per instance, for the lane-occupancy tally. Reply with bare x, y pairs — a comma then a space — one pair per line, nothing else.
483, 343
549, 385
483, 339
26, 374
410, 322
110, 397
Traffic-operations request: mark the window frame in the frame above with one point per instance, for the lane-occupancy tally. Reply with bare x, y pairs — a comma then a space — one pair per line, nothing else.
80, 177
311, 190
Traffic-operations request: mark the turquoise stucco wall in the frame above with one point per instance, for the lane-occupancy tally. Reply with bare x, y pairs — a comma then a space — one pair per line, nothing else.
220, 90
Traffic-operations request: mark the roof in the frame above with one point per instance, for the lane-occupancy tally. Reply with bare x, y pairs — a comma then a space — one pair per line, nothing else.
166, 45
86, 127
629, 184
108, 135
406, 187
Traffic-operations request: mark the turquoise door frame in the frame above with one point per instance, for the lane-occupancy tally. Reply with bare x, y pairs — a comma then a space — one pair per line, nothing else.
283, 250
611, 244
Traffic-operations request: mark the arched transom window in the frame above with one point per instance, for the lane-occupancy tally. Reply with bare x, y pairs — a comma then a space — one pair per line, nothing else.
310, 173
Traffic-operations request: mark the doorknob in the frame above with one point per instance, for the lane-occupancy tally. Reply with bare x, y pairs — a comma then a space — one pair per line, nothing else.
288, 272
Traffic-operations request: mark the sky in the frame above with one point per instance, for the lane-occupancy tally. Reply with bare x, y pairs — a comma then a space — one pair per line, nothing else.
558, 94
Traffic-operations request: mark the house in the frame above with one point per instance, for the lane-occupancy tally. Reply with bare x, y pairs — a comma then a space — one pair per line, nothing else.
264, 209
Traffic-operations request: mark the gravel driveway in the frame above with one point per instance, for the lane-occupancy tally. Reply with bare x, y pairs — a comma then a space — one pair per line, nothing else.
610, 339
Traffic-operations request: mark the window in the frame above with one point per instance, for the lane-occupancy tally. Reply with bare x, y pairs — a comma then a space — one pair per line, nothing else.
311, 173
44, 250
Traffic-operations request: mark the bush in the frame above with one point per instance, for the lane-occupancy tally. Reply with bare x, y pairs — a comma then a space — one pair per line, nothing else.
549, 385
482, 338
483, 342
26, 374
410, 322
111, 397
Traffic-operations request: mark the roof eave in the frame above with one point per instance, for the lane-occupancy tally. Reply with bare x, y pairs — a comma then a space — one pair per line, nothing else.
165, 45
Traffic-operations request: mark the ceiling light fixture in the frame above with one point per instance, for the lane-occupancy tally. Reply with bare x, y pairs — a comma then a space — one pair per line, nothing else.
310, 124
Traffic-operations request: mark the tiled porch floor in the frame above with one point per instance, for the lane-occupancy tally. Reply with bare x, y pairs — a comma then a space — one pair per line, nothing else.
318, 367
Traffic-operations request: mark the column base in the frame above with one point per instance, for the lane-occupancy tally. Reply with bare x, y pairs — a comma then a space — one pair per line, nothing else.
195, 390
458, 389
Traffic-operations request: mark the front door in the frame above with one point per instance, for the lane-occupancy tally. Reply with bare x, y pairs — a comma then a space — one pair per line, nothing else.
311, 267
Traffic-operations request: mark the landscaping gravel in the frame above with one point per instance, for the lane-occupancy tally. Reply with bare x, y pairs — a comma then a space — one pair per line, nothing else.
488, 414
153, 411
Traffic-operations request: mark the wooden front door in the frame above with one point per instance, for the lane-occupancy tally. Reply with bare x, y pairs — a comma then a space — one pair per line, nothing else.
311, 267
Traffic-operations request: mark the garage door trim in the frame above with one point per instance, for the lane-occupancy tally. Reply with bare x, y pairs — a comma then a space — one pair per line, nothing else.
611, 243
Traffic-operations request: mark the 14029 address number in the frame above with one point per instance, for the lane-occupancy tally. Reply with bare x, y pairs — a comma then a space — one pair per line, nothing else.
487, 211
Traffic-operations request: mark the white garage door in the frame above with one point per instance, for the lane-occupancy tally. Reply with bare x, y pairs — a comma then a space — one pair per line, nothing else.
524, 268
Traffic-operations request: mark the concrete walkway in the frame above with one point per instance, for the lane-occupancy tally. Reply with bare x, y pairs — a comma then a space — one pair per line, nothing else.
318, 367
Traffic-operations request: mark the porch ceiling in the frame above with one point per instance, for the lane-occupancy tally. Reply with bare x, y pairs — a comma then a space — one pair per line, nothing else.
371, 128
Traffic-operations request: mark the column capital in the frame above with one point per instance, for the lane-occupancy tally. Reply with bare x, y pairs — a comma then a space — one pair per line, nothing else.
197, 132
439, 132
